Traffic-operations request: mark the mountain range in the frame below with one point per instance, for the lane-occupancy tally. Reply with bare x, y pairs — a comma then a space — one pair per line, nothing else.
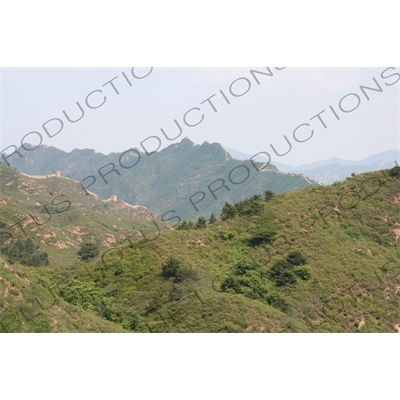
183, 180
332, 169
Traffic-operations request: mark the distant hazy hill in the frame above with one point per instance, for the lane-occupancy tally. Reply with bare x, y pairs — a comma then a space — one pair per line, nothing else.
333, 169
167, 179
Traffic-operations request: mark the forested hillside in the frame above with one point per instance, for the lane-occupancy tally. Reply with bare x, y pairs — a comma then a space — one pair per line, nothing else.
321, 259
165, 180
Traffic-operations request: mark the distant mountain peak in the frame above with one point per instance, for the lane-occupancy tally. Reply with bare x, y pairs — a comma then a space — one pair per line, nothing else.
186, 140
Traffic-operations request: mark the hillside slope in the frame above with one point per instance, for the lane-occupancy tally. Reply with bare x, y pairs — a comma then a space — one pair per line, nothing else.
58, 215
164, 180
323, 259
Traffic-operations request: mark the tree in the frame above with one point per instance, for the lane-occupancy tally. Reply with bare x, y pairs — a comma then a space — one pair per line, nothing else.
303, 272
230, 283
190, 225
212, 219
243, 266
395, 172
182, 226
261, 238
171, 268
40, 259
251, 206
296, 258
228, 211
88, 250
26, 252
282, 273
268, 195
201, 223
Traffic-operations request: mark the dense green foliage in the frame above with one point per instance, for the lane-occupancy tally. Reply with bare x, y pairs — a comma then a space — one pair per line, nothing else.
171, 268
395, 172
324, 260
24, 252
88, 250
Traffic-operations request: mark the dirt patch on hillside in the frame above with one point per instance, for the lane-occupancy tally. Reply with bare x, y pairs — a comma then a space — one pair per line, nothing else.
109, 240
192, 241
11, 290
49, 235
60, 245
77, 231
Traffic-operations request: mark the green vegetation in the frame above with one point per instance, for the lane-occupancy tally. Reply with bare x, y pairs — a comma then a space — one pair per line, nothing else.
212, 219
284, 272
168, 178
201, 223
88, 251
55, 214
171, 268
24, 252
323, 259
395, 172
268, 195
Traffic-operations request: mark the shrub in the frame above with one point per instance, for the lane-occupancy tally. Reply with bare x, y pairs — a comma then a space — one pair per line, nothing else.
282, 273
244, 266
40, 259
228, 211
171, 268
182, 226
268, 195
252, 206
175, 294
254, 285
84, 294
134, 321
87, 251
212, 219
226, 236
230, 283
190, 225
278, 302
303, 272
26, 253
296, 258
395, 172
261, 238
201, 223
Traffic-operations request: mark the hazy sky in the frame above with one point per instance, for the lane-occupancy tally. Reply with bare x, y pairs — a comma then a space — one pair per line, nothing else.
250, 123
